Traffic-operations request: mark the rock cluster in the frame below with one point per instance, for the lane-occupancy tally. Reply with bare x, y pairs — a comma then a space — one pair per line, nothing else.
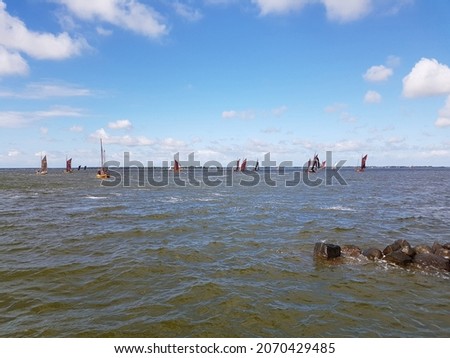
399, 253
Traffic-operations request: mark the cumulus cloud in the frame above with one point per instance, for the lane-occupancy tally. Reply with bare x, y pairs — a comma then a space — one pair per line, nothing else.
11, 63
128, 14
16, 37
444, 115
427, 78
372, 97
348, 10
378, 73
120, 124
126, 140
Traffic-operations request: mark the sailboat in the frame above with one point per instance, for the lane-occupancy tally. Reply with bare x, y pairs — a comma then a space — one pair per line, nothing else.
237, 165
363, 164
244, 165
68, 166
315, 164
176, 166
256, 166
102, 173
43, 169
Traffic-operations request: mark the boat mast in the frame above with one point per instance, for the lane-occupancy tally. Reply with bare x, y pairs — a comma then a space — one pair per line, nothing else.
101, 154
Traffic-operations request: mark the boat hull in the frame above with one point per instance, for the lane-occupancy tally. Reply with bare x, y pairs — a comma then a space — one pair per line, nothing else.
102, 176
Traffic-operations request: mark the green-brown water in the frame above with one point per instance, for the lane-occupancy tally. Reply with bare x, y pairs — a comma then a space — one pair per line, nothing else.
81, 260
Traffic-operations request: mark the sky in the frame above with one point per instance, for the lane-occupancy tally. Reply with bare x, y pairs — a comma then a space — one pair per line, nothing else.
224, 79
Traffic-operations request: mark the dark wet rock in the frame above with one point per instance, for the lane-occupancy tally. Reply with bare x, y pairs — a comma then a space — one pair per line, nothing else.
436, 246
373, 253
391, 248
423, 249
399, 245
326, 251
350, 250
432, 260
405, 247
446, 246
398, 258
445, 253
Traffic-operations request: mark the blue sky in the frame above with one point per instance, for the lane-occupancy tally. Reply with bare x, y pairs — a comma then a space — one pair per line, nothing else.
225, 79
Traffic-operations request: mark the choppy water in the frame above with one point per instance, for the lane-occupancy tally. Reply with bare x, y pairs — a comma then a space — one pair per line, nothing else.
81, 260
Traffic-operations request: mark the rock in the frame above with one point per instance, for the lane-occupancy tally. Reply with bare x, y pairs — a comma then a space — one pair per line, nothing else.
446, 246
436, 246
441, 250
399, 245
423, 249
350, 250
445, 253
398, 258
391, 248
406, 247
432, 260
373, 253
327, 251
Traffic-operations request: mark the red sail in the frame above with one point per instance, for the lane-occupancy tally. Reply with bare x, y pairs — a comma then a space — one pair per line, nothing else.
244, 165
69, 165
176, 166
363, 162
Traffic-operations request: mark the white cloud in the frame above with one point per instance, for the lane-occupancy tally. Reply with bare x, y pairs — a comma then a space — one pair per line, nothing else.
372, 97
335, 107
128, 14
46, 90
348, 117
271, 130
444, 115
279, 6
125, 140
243, 115
348, 10
187, 12
336, 10
427, 78
11, 63
120, 124
12, 119
278, 112
393, 61
59, 111
16, 37
378, 73
43, 130
76, 129
102, 31
171, 144
14, 153
346, 145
